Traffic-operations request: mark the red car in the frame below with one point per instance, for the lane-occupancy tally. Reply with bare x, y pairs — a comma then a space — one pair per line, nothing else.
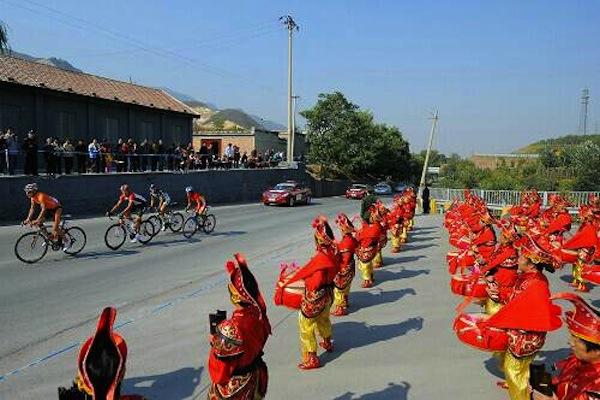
289, 193
358, 191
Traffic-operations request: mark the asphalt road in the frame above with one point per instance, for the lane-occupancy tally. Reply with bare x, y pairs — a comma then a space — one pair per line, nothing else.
397, 343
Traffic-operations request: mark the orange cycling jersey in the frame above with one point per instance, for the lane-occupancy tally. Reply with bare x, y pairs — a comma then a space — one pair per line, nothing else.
48, 201
197, 198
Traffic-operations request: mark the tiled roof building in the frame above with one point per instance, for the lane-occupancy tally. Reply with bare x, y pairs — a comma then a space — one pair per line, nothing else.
64, 103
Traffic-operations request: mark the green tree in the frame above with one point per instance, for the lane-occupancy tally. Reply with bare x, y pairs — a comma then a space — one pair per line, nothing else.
586, 164
345, 141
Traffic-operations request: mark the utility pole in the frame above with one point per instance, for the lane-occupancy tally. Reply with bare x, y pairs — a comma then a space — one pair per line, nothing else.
434, 120
585, 100
294, 100
291, 25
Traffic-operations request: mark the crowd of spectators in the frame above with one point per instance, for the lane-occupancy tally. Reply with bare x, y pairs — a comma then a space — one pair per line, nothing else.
69, 156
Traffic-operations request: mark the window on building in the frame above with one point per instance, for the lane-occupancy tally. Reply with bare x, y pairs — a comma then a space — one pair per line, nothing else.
147, 131
111, 129
177, 134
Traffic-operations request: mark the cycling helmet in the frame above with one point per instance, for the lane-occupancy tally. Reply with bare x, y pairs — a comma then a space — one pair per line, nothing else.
124, 187
189, 189
31, 188
152, 187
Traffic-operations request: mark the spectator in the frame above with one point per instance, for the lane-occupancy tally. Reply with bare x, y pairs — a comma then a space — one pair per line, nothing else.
229, 152
153, 155
48, 151
58, 156
203, 156
236, 157
12, 146
135, 157
80, 150
143, 150
68, 149
244, 159
162, 158
30, 149
3, 153
94, 154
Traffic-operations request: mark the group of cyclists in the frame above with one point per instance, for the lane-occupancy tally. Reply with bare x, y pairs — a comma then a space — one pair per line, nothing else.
135, 206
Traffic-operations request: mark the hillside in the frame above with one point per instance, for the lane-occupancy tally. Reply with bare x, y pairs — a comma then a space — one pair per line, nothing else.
557, 143
53, 61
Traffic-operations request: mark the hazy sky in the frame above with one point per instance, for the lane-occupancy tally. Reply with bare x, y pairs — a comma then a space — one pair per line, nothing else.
501, 73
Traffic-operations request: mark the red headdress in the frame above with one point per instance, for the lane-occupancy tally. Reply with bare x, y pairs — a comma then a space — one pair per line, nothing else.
344, 223
323, 234
583, 321
101, 361
243, 287
540, 253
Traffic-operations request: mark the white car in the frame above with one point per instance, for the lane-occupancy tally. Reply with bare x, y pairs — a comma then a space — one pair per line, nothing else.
382, 189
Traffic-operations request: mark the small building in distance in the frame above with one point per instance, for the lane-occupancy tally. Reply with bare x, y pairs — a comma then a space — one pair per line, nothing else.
249, 139
62, 103
493, 161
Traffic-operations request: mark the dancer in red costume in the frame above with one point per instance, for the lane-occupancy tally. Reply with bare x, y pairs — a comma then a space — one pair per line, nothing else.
343, 280
235, 363
318, 275
368, 237
579, 374
101, 364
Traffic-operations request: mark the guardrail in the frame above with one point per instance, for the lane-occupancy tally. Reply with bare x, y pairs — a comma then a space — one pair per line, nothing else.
503, 198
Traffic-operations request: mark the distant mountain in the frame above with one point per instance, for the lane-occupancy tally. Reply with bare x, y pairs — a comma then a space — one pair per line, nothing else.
234, 118
269, 125
558, 143
189, 100
53, 61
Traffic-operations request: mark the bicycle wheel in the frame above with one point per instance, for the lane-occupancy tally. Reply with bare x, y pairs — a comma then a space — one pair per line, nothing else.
75, 240
176, 222
210, 221
156, 222
147, 232
190, 226
31, 247
115, 236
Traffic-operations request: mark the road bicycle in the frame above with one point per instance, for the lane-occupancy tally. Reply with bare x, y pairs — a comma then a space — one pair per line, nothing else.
205, 222
170, 219
117, 233
33, 246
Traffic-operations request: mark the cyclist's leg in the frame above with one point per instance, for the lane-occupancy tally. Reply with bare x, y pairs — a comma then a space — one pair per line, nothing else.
57, 231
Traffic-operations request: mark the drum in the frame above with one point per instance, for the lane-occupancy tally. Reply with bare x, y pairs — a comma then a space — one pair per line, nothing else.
591, 273
469, 286
468, 331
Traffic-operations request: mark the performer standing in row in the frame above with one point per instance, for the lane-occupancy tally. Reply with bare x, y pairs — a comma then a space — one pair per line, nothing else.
368, 237
235, 363
343, 280
318, 275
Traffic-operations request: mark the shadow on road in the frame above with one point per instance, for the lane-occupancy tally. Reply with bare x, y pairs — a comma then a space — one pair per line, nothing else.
393, 391
94, 255
596, 303
177, 242
228, 233
176, 385
567, 278
410, 246
418, 230
352, 335
423, 238
383, 275
389, 261
492, 366
360, 300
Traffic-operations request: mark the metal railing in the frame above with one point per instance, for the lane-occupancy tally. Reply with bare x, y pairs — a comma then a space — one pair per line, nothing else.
502, 198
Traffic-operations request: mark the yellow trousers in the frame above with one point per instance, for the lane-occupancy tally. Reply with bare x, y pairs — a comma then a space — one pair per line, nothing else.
396, 242
377, 260
310, 327
516, 371
366, 270
340, 297
577, 270
491, 307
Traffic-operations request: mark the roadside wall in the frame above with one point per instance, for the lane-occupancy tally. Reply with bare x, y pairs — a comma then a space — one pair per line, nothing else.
95, 194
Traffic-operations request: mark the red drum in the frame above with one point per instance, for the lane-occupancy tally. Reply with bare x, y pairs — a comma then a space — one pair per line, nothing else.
289, 296
568, 256
591, 273
468, 331
451, 255
469, 286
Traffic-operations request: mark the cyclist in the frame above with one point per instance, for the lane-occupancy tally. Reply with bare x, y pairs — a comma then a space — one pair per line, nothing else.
195, 197
136, 204
159, 199
49, 206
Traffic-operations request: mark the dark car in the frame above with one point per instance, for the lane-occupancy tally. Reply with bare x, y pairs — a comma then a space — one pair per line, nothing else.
358, 191
289, 193
400, 187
